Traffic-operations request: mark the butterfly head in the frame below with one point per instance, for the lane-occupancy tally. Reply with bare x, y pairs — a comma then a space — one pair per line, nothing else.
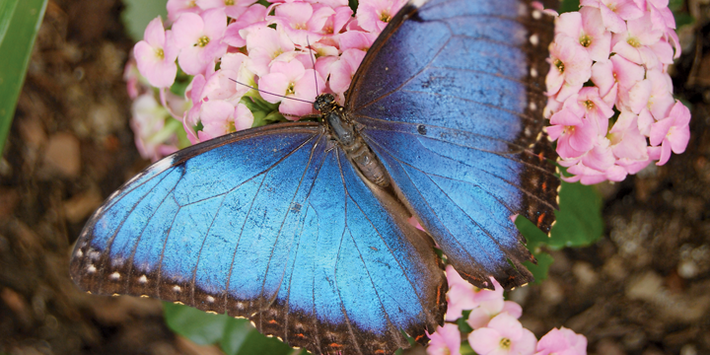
325, 103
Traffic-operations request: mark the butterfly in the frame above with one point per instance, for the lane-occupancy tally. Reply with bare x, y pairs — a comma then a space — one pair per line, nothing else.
303, 227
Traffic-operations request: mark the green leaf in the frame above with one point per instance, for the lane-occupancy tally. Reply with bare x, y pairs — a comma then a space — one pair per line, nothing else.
19, 23
138, 13
235, 336
579, 220
568, 6
578, 223
675, 5
542, 268
256, 343
466, 349
198, 326
537, 241
683, 19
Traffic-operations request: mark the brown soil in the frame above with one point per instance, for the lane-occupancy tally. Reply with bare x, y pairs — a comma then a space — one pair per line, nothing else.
644, 288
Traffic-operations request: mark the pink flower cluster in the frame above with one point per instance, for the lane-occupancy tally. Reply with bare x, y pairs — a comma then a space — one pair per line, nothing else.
293, 49
496, 329
611, 105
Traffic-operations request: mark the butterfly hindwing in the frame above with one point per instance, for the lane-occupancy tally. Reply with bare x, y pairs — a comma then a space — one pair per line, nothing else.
458, 126
275, 225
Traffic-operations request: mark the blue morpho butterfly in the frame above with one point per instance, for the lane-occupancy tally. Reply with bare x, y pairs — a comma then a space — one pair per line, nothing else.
302, 227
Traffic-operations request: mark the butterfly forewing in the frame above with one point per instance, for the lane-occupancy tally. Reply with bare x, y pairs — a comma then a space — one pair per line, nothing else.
451, 102
276, 225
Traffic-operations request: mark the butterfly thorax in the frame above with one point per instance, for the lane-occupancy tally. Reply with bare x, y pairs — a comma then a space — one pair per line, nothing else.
343, 131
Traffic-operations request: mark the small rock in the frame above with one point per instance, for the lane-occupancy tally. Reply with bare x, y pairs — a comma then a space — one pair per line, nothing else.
688, 349
62, 155
646, 287
552, 291
79, 207
584, 272
687, 269
609, 347
614, 267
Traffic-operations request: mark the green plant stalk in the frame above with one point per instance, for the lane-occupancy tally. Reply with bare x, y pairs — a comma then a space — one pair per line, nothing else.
19, 24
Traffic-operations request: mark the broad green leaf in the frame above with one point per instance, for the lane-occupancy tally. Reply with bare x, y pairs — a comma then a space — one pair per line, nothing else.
235, 336
541, 269
138, 13
19, 23
579, 220
536, 244
578, 223
256, 343
569, 6
198, 326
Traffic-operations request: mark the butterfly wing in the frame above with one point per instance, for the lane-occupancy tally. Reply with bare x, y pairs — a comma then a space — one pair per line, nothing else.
275, 225
450, 98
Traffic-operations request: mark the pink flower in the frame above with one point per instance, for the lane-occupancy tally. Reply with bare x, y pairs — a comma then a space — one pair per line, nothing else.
641, 43
571, 68
343, 70
590, 176
445, 340
222, 85
291, 80
615, 12
490, 307
461, 295
600, 157
628, 144
356, 39
153, 138
337, 22
179, 7
586, 27
574, 133
503, 335
156, 54
650, 98
233, 8
562, 341
132, 77
596, 110
413, 221
254, 15
661, 99
661, 16
484, 304
195, 91
302, 22
199, 38
617, 70
672, 132
220, 117
265, 45
373, 15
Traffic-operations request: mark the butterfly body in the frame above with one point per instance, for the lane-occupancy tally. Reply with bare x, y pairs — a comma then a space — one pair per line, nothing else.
303, 227
343, 131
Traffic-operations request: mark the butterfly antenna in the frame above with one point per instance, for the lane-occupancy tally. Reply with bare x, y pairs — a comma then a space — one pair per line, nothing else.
315, 78
271, 93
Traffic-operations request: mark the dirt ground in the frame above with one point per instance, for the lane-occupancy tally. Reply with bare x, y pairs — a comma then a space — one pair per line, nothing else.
644, 288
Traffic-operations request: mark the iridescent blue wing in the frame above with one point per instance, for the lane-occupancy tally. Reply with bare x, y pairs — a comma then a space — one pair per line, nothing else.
450, 98
273, 224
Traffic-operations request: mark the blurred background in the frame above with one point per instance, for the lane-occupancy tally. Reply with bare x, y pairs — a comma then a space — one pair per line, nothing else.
643, 288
